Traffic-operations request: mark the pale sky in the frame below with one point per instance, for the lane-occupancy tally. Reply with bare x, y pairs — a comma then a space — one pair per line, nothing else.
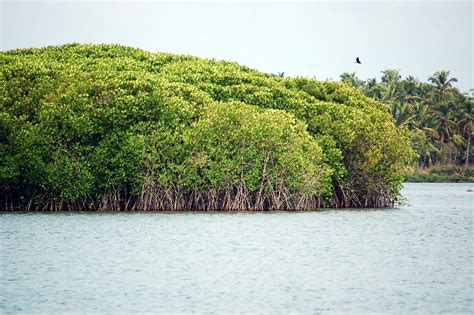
314, 38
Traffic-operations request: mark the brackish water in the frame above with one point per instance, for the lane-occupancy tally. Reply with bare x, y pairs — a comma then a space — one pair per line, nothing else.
416, 258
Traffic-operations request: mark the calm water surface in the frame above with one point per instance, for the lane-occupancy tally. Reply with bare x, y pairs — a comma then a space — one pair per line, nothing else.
417, 258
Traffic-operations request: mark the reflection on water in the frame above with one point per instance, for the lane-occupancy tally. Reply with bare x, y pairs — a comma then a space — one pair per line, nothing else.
417, 258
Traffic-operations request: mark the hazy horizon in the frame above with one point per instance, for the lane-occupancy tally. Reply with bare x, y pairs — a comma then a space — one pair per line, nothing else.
318, 39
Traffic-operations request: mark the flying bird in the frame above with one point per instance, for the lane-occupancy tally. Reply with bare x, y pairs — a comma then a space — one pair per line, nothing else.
357, 60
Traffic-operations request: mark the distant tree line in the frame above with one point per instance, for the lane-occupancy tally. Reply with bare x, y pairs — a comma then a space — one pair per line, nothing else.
438, 115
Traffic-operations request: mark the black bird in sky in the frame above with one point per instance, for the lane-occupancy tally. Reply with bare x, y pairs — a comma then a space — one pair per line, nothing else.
357, 60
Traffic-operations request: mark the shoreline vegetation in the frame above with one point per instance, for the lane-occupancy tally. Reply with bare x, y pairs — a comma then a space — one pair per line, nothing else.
438, 116
108, 127
442, 174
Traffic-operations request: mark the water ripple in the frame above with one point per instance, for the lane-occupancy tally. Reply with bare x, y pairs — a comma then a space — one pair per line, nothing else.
418, 258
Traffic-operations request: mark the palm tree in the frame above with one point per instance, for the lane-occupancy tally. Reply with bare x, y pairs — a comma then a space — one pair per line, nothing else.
352, 79
401, 113
391, 76
465, 123
410, 87
391, 86
439, 116
442, 83
373, 89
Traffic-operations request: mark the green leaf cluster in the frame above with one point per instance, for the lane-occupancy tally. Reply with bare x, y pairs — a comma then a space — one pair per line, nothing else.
113, 127
437, 114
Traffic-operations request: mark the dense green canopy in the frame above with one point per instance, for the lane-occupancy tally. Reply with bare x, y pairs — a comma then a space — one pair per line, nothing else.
112, 127
438, 115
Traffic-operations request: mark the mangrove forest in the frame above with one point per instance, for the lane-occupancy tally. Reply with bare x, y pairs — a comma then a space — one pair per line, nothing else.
108, 127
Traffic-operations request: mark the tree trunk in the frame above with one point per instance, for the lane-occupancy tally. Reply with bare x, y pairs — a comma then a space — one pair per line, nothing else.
467, 149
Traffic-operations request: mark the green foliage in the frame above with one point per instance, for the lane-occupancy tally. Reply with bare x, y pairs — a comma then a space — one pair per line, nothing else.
240, 144
442, 174
113, 127
438, 116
